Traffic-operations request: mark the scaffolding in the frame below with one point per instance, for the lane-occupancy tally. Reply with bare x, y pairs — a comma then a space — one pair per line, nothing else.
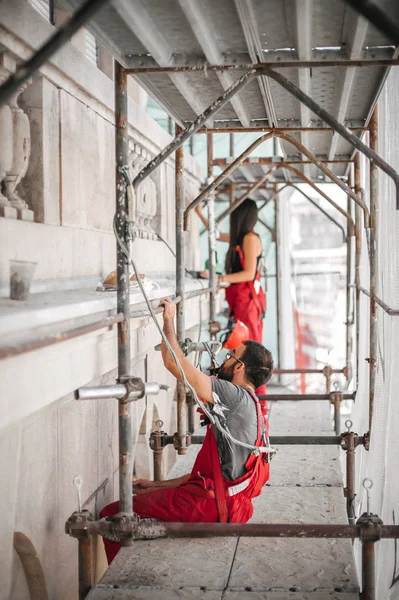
154, 73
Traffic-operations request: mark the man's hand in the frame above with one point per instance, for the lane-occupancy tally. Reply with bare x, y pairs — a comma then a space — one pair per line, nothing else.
200, 382
205, 274
169, 309
142, 486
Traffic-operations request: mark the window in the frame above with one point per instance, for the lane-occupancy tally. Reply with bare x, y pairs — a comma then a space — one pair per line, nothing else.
45, 8
91, 48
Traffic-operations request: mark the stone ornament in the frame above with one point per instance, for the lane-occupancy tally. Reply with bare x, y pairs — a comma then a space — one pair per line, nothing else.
146, 197
21, 153
7, 66
15, 143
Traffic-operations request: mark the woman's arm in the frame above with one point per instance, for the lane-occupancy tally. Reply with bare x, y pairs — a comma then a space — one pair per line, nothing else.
251, 247
223, 237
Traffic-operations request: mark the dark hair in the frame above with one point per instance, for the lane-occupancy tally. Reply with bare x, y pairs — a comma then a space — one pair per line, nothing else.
258, 363
242, 221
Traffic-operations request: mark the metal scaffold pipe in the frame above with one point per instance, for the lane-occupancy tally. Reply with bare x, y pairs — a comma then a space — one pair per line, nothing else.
338, 127
211, 242
264, 68
238, 161
278, 274
348, 323
373, 263
27, 69
123, 290
194, 126
358, 251
180, 289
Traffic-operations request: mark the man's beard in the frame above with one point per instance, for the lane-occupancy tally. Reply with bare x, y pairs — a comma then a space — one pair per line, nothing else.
226, 373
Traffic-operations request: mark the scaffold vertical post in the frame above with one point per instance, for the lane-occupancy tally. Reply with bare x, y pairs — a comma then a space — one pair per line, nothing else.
358, 250
180, 290
211, 242
335, 400
85, 567
123, 290
348, 323
327, 372
278, 274
373, 263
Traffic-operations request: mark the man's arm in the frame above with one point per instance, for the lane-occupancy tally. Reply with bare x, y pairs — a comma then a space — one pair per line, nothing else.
143, 486
200, 382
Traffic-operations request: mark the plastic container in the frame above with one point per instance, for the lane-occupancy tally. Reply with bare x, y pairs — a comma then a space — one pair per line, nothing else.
21, 274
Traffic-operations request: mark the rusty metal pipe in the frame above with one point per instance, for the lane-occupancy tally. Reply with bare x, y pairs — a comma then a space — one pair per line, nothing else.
242, 198
125, 435
305, 371
148, 530
287, 440
237, 162
336, 399
25, 70
85, 566
350, 476
180, 291
348, 324
263, 129
339, 128
158, 470
238, 85
358, 251
214, 184
305, 180
327, 372
211, 241
265, 67
190, 412
313, 158
368, 570
392, 312
158, 441
373, 257
23, 347
299, 397
298, 189
223, 162
321, 193
278, 274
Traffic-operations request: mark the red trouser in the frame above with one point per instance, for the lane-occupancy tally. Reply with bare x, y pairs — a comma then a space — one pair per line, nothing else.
173, 505
244, 307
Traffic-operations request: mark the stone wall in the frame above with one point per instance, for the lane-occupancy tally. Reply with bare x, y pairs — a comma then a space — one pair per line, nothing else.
57, 203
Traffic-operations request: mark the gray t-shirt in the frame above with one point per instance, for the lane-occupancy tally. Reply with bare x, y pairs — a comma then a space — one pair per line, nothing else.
236, 410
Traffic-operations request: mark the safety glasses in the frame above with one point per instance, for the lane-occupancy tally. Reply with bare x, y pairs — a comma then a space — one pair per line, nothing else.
230, 355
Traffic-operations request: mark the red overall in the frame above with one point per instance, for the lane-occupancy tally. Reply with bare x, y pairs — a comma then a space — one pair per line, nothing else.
249, 307
204, 498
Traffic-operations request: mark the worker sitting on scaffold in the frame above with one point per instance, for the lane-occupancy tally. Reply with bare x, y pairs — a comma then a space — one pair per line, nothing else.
232, 465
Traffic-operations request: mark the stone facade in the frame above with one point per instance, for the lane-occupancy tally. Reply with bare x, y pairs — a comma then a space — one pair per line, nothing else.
57, 200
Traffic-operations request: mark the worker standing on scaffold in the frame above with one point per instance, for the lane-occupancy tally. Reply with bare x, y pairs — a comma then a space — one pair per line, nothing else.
226, 475
245, 296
